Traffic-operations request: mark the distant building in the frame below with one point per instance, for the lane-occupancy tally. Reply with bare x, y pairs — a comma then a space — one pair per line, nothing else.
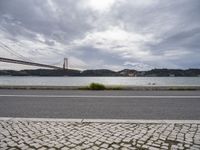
127, 72
131, 74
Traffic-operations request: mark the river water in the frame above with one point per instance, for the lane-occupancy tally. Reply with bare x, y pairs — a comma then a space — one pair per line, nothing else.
82, 81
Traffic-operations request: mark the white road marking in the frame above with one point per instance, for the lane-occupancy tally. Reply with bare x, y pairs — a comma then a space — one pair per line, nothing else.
107, 96
101, 120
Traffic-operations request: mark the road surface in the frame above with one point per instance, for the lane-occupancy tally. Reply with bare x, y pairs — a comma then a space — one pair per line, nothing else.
173, 105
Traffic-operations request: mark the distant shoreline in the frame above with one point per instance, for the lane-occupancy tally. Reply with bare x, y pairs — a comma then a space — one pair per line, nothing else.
103, 73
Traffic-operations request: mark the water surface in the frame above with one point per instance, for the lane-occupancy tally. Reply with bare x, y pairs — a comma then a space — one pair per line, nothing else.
82, 81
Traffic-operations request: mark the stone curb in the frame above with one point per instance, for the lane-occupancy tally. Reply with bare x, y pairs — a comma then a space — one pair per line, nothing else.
148, 87
102, 120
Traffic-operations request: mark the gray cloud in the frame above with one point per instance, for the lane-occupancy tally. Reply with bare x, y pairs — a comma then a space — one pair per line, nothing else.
62, 20
158, 33
97, 57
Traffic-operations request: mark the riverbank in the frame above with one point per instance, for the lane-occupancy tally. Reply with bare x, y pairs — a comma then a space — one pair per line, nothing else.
103, 73
149, 87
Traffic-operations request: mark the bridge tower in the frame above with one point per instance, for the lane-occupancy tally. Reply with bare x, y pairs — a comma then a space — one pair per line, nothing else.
65, 64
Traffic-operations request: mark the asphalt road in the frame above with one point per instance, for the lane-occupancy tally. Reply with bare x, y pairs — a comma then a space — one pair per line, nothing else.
178, 105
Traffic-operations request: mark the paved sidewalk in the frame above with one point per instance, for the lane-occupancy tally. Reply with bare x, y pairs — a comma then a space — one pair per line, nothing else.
33, 134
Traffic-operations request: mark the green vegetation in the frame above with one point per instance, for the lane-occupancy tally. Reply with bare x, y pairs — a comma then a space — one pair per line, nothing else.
183, 88
97, 86
114, 88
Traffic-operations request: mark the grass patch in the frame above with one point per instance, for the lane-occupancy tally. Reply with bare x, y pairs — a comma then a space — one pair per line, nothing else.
97, 86
182, 89
114, 88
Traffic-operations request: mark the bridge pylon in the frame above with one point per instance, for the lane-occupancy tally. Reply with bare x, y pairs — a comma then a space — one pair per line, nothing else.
65, 64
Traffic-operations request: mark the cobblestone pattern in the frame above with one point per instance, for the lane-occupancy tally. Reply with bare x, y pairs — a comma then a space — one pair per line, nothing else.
64, 135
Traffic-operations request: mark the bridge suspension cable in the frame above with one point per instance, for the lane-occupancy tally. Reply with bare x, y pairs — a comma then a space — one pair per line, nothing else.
12, 52
24, 61
8, 60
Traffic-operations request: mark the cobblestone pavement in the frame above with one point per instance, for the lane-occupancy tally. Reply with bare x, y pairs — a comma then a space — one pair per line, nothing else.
16, 134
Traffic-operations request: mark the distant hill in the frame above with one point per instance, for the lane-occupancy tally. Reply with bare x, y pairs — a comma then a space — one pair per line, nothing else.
100, 72
104, 72
41, 72
128, 72
170, 73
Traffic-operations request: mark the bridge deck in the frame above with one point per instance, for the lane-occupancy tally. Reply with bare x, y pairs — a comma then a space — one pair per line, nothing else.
8, 60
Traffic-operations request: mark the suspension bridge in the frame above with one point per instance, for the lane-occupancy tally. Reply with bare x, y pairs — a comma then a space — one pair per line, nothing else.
8, 60
25, 61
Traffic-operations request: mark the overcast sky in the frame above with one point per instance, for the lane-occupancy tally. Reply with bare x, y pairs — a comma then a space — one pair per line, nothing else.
95, 34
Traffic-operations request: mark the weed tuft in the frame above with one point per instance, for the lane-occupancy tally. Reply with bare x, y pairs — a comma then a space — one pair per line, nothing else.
97, 86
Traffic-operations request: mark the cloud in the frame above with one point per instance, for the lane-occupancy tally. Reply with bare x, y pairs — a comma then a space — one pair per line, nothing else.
102, 34
117, 41
101, 6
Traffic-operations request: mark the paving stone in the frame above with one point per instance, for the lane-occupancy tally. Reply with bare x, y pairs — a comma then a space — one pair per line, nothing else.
42, 148
65, 148
115, 146
95, 147
154, 148
104, 145
64, 135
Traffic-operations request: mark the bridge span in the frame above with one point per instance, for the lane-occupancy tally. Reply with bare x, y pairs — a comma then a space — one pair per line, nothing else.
15, 61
